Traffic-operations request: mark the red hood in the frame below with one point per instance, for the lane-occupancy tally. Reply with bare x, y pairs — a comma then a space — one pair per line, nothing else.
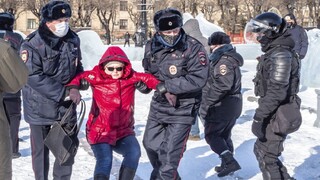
115, 53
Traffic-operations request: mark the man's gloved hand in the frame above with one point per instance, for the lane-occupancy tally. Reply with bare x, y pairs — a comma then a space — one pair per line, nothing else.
172, 99
75, 95
259, 130
142, 87
84, 84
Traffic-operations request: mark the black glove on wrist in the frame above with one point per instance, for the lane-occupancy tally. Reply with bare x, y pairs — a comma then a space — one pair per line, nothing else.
142, 87
84, 84
161, 88
172, 99
75, 95
259, 130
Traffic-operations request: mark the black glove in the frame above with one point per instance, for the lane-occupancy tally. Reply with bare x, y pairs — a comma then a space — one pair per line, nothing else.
142, 87
259, 130
161, 88
75, 95
172, 99
84, 84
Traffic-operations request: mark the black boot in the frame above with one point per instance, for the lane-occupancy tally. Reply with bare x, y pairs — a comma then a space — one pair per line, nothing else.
230, 164
219, 168
126, 173
101, 177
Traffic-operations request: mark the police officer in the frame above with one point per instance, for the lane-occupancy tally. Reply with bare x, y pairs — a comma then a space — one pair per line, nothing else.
12, 102
221, 103
298, 34
276, 84
13, 75
52, 55
180, 63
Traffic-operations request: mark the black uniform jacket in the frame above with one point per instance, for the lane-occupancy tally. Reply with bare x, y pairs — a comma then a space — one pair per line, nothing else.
221, 96
184, 71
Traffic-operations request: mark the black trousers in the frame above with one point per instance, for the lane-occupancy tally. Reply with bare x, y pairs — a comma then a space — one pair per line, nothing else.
267, 153
218, 134
165, 145
13, 111
40, 156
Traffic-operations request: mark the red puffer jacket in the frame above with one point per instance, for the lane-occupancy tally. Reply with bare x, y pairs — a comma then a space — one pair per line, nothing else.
111, 115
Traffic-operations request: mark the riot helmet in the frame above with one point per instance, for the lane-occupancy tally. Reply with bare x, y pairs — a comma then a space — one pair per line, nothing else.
6, 21
266, 26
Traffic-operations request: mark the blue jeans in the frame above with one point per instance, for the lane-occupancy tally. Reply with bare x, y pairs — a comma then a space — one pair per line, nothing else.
128, 147
195, 128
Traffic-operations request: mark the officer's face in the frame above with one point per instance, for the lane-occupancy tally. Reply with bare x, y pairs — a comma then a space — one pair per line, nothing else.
52, 24
172, 32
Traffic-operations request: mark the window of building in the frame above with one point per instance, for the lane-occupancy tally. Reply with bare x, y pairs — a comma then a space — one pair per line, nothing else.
123, 24
123, 5
31, 24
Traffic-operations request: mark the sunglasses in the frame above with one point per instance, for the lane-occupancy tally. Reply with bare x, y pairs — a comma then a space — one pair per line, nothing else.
115, 68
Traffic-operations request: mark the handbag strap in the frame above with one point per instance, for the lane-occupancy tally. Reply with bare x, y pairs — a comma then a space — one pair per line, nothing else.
81, 114
80, 117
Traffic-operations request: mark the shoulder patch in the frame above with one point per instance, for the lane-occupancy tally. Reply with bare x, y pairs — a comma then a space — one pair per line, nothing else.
202, 58
223, 69
24, 55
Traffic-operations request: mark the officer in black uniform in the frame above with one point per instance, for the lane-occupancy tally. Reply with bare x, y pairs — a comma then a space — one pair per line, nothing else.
12, 102
221, 103
180, 63
277, 84
53, 57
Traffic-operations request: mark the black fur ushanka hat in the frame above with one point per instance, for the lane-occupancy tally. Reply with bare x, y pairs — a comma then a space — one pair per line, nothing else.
167, 19
55, 10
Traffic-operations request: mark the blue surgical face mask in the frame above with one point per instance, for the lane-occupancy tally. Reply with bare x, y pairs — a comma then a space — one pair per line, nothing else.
61, 29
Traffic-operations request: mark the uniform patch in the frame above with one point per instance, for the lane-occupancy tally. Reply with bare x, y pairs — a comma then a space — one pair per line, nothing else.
223, 69
24, 55
202, 58
173, 70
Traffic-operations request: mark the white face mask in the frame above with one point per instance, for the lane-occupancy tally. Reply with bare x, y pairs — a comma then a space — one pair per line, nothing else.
61, 29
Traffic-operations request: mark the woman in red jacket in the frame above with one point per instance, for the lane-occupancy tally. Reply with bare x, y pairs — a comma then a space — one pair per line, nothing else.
110, 125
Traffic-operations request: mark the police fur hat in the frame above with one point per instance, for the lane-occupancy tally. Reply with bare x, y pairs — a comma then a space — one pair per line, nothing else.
218, 38
167, 19
6, 21
55, 10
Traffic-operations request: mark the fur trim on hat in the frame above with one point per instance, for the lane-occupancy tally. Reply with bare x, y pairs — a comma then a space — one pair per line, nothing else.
167, 19
55, 10
218, 38
6, 21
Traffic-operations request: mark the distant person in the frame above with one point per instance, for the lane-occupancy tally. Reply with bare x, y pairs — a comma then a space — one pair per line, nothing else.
126, 39
110, 126
221, 103
277, 84
181, 64
192, 28
298, 34
53, 57
13, 75
12, 102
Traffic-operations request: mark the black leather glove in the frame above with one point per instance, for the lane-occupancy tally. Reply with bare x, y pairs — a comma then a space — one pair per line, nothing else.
142, 87
172, 99
84, 84
161, 88
259, 130
75, 95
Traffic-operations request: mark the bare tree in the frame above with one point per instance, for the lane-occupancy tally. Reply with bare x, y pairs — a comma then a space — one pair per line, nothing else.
83, 10
35, 6
15, 7
106, 11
